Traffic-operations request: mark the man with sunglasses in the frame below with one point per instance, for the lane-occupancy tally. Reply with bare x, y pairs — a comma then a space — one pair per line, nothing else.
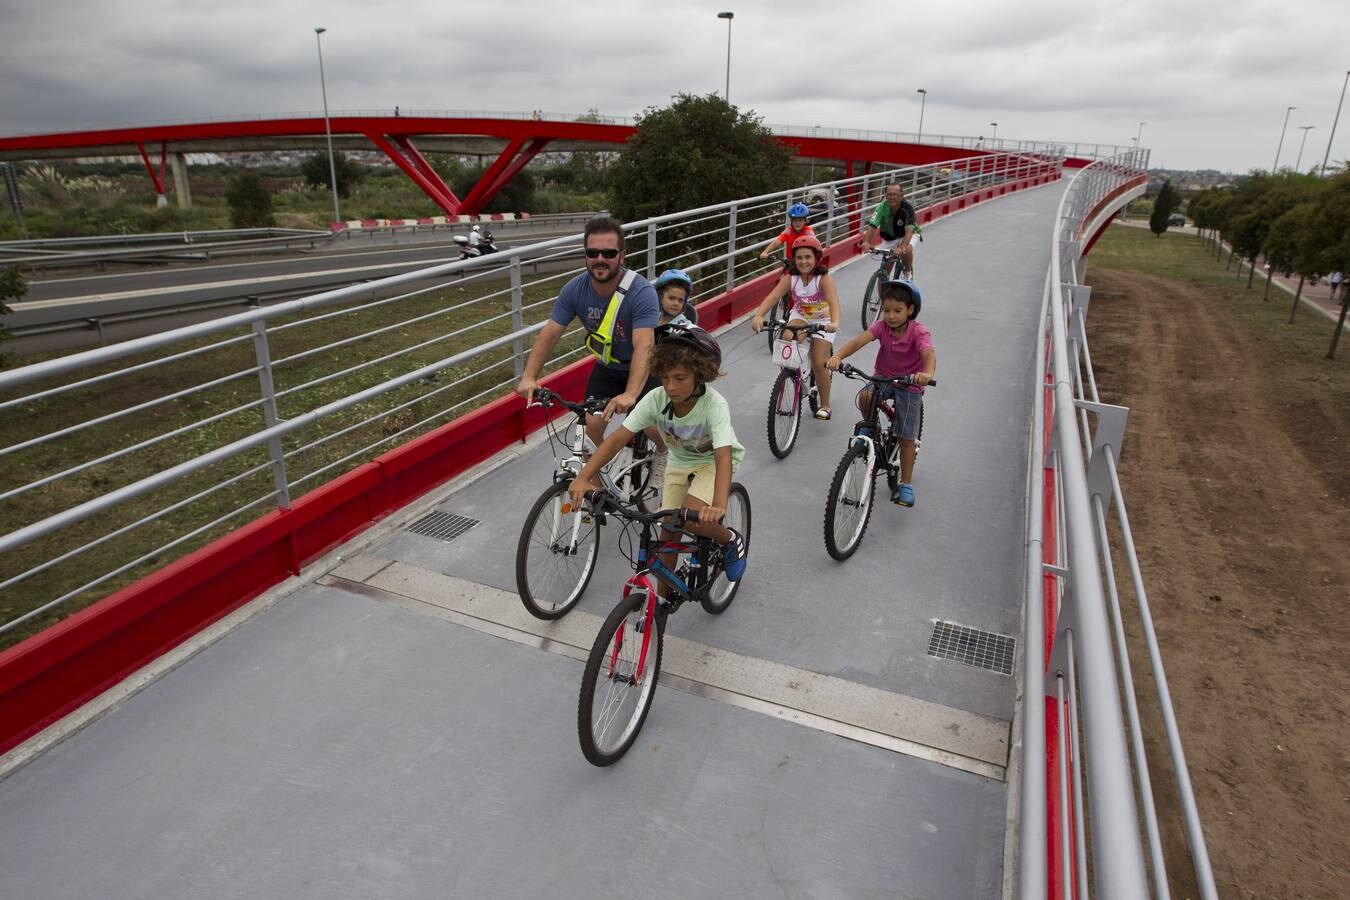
619, 310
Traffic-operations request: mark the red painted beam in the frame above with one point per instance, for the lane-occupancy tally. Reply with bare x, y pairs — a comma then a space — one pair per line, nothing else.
436, 190
507, 165
417, 159
158, 179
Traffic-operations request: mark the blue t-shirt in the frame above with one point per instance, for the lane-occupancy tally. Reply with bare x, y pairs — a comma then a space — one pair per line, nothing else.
640, 309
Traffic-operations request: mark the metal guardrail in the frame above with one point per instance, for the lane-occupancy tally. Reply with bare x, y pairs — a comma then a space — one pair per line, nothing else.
1088, 670
967, 142
50, 253
126, 455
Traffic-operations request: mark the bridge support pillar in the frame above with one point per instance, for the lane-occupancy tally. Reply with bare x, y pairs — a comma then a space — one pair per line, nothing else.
157, 178
182, 194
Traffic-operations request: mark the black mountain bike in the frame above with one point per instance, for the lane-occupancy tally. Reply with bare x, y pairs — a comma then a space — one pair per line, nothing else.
872, 450
621, 671
889, 268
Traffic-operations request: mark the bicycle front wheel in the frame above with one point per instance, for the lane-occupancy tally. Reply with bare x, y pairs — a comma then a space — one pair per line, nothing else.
848, 505
871, 305
616, 694
785, 413
721, 592
556, 555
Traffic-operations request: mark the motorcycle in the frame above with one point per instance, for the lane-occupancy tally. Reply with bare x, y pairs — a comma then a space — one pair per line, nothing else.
486, 244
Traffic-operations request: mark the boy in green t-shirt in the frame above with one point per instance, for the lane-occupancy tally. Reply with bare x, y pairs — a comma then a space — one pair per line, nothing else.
695, 422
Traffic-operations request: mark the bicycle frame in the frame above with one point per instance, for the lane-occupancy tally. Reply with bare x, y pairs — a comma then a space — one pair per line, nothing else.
581, 449
650, 563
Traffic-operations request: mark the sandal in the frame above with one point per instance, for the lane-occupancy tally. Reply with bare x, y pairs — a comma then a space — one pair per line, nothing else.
823, 414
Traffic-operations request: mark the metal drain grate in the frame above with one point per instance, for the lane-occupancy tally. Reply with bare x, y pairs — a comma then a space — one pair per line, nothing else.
442, 526
982, 649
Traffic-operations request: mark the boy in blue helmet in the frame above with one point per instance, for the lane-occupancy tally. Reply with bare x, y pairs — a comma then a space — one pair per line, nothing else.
797, 228
673, 290
906, 349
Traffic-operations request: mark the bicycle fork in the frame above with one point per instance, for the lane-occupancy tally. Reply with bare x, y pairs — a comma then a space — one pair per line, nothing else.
641, 582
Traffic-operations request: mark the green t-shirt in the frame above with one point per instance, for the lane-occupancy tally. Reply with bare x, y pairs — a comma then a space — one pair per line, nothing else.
692, 438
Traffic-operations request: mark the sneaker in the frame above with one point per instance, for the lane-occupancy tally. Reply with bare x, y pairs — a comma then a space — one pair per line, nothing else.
733, 558
904, 495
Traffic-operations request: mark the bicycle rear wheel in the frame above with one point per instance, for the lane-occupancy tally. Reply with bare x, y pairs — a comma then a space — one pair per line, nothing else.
556, 554
720, 591
871, 305
848, 506
615, 696
785, 413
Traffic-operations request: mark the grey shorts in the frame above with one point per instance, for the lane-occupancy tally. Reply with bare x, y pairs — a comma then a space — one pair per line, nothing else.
908, 410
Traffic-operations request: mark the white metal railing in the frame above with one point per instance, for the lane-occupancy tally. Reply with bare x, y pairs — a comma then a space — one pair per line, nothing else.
967, 142
1102, 771
122, 456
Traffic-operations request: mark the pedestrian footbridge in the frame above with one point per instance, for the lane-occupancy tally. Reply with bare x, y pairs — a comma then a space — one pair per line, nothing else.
378, 716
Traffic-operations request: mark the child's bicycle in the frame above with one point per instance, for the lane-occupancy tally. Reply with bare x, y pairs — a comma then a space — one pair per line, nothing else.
872, 450
558, 545
889, 268
795, 380
625, 660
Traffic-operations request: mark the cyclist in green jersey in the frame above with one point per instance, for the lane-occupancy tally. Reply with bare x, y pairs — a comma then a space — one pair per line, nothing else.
895, 221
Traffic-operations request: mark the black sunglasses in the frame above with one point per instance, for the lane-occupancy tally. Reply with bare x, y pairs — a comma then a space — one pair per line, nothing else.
608, 253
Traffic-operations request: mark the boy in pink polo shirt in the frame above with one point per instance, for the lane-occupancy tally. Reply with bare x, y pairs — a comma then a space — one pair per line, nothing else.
906, 349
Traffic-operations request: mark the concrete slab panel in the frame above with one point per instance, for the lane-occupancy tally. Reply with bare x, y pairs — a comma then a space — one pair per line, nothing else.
337, 746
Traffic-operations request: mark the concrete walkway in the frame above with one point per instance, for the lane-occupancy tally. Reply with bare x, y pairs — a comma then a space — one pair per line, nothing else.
400, 728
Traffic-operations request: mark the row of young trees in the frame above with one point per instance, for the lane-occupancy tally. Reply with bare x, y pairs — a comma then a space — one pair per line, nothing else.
1299, 224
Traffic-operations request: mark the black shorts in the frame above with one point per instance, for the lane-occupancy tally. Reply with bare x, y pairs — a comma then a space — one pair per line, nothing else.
605, 383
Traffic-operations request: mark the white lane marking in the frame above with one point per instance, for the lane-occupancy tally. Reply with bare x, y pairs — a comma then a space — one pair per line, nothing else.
953, 737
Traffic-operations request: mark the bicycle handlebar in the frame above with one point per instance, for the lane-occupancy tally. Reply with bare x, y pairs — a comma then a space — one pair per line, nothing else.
546, 397
783, 325
849, 371
602, 501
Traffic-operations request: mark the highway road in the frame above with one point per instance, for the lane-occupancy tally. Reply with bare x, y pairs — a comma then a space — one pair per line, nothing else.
75, 312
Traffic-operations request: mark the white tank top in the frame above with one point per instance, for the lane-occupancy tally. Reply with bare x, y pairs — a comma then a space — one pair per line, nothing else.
808, 299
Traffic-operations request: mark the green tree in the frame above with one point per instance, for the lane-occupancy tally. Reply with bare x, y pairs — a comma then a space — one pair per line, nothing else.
1327, 240
316, 172
696, 152
516, 195
12, 287
250, 204
1167, 202
1284, 247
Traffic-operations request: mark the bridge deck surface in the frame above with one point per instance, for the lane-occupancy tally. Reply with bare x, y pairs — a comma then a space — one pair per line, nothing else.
401, 728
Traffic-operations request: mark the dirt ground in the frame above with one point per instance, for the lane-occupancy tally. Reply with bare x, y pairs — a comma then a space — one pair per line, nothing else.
1237, 486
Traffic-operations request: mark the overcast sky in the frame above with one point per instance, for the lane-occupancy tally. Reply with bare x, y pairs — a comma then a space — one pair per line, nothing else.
1212, 79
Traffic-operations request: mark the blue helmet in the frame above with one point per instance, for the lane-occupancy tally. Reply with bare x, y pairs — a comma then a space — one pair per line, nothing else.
673, 276
798, 211
896, 287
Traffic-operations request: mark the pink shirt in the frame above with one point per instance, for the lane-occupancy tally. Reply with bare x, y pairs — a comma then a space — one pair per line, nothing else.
901, 355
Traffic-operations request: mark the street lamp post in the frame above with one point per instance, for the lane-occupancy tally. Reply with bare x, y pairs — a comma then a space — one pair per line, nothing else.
1275, 168
923, 101
1306, 129
1334, 123
327, 126
726, 92
1139, 137
994, 136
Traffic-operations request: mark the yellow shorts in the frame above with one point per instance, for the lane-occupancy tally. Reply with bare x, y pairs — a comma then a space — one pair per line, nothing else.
699, 482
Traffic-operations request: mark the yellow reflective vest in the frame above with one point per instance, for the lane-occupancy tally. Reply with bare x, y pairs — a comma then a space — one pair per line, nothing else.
601, 341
